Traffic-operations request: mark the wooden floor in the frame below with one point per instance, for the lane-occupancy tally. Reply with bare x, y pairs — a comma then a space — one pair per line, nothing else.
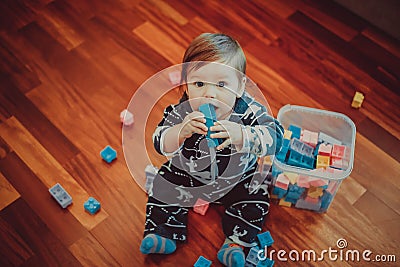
69, 67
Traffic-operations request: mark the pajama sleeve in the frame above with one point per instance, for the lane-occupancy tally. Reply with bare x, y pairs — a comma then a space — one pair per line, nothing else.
170, 118
263, 135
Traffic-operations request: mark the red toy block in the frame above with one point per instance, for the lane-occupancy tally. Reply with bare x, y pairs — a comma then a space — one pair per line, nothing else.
311, 200
325, 149
302, 181
340, 152
282, 181
201, 206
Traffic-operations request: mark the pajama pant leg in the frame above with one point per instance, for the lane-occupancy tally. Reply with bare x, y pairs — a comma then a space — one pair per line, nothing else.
245, 213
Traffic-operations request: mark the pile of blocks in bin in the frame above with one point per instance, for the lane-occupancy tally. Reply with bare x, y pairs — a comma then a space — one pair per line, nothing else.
310, 150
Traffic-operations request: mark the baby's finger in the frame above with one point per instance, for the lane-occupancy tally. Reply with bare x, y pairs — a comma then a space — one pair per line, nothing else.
200, 126
226, 143
198, 116
218, 128
223, 135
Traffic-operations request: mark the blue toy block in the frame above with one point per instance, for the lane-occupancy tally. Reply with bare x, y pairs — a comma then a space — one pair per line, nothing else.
286, 143
326, 200
296, 131
266, 263
294, 193
301, 147
248, 264
265, 239
252, 256
202, 262
275, 172
297, 159
92, 205
279, 192
291, 200
108, 154
281, 156
209, 114
60, 195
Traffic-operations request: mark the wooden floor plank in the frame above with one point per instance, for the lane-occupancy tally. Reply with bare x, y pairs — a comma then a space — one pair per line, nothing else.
61, 222
8, 194
14, 251
37, 235
48, 169
90, 253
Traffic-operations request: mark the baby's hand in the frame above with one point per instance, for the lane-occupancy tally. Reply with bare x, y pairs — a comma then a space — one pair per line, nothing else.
230, 131
193, 123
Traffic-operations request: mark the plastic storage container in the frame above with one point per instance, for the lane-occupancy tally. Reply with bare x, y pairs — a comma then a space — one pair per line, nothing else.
312, 189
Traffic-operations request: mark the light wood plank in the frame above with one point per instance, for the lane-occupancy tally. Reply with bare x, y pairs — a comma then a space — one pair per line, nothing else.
160, 42
48, 169
8, 194
352, 190
90, 252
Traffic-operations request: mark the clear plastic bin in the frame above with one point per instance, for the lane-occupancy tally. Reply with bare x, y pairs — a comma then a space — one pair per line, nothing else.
312, 189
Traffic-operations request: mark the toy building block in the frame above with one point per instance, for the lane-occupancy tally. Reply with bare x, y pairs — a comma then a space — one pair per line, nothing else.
310, 138
297, 159
202, 262
311, 200
279, 192
126, 117
302, 181
301, 147
151, 172
281, 156
294, 192
357, 100
108, 154
315, 192
338, 151
209, 114
252, 256
265, 239
201, 206
317, 182
275, 171
296, 131
324, 138
292, 177
282, 181
266, 263
174, 77
92, 205
322, 161
284, 203
325, 149
302, 204
60, 195
326, 200
287, 134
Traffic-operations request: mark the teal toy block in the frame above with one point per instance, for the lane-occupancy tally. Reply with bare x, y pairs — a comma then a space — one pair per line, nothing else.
294, 193
252, 256
209, 114
279, 192
265, 239
275, 172
326, 200
297, 159
61, 195
296, 131
202, 262
108, 154
92, 205
266, 263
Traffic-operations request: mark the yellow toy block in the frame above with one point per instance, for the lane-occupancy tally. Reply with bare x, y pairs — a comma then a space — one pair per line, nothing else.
315, 192
357, 100
284, 203
292, 177
287, 134
322, 161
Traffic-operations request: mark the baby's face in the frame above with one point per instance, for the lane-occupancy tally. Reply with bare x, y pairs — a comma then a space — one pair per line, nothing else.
217, 84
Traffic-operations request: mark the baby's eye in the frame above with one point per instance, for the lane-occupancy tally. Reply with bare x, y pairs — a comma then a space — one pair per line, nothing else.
221, 84
199, 84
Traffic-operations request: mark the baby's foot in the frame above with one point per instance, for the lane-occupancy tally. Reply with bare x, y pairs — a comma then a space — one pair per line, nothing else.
153, 243
231, 255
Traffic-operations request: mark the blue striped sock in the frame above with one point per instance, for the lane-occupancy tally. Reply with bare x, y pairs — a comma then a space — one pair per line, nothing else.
153, 243
231, 255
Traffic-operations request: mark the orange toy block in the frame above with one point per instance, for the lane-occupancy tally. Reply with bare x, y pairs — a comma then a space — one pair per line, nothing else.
284, 203
322, 161
201, 206
357, 100
315, 192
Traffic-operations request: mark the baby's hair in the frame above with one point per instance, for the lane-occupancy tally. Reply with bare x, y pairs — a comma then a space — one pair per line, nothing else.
212, 47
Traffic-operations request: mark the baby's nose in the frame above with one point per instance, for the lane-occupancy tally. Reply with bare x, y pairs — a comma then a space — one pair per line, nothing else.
211, 90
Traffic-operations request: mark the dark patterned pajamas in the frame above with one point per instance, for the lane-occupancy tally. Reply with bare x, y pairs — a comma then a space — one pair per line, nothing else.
237, 184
